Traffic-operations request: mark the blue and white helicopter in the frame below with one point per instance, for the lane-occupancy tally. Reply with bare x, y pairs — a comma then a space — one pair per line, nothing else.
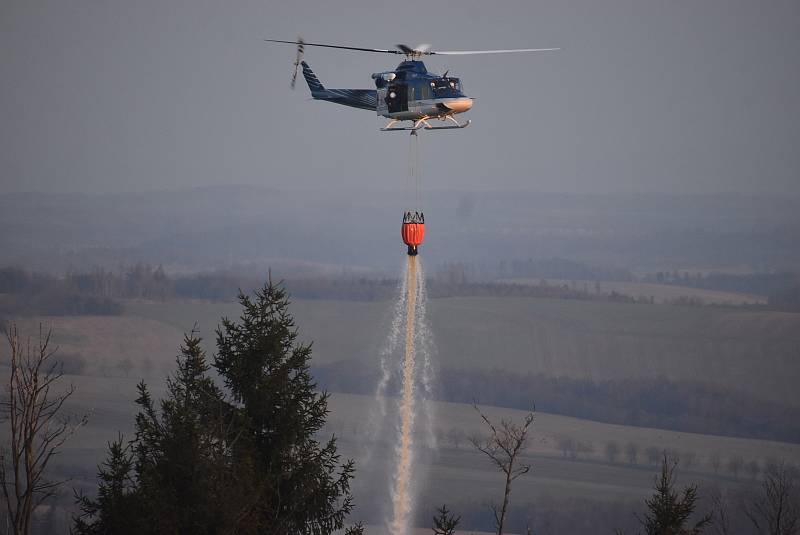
408, 93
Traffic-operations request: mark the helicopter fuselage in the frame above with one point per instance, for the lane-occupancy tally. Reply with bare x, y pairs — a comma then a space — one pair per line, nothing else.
408, 93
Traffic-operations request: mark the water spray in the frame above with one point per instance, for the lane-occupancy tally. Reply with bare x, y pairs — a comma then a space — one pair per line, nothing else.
413, 234
401, 495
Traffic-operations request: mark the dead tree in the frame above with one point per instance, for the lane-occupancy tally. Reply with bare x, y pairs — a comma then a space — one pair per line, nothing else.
775, 510
503, 446
720, 514
35, 424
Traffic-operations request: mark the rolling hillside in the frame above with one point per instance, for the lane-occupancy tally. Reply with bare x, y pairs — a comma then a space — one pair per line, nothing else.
576, 339
455, 473
756, 352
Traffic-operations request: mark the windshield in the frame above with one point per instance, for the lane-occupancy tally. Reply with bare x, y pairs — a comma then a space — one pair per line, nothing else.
446, 85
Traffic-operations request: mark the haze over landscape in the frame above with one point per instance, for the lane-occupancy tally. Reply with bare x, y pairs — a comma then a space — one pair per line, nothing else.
686, 97
613, 242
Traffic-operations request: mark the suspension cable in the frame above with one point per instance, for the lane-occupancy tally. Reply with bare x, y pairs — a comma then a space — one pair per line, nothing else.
415, 180
410, 196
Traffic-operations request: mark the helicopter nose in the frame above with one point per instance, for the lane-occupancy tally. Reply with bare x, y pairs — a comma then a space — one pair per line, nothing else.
458, 105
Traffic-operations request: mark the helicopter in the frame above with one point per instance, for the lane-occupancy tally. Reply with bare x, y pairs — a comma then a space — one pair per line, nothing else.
408, 93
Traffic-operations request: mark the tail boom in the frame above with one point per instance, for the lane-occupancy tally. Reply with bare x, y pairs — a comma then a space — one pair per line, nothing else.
365, 99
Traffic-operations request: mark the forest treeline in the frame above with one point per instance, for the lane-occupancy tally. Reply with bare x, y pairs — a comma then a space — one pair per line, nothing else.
237, 446
782, 289
96, 291
689, 406
24, 293
561, 268
752, 283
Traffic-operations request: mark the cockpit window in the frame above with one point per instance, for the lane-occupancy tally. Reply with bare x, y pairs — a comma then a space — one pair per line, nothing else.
448, 84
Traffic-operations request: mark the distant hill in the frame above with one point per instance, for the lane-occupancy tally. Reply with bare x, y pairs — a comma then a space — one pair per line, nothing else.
659, 293
573, 479
698, 362
207, 228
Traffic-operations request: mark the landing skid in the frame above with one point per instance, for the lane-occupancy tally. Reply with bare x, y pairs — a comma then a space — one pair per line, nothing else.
423, 123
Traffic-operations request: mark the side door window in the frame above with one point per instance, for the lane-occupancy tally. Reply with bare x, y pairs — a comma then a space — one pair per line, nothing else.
397, 98
426, 92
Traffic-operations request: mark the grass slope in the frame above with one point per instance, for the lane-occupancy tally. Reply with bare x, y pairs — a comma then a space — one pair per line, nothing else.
458, 476
753, 351
661, 293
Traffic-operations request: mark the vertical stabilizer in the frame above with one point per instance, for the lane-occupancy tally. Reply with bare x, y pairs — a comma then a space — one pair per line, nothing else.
313, 82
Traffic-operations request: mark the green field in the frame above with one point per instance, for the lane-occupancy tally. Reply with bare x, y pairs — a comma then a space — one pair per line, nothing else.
660, 293
459, 475
756, 352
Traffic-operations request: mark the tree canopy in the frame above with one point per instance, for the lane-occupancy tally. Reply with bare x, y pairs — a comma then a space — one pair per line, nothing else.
242, 458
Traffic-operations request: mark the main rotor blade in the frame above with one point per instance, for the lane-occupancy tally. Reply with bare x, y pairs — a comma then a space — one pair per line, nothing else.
471, 52
384, 51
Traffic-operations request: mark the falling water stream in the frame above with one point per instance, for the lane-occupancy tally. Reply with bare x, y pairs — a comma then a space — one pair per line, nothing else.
403, 412
401, 495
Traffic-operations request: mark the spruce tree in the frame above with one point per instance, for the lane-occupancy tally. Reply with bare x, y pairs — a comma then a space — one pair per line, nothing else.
303, 488
183, 455
116, 509
445, 523
668, 512
244, 459
178, 474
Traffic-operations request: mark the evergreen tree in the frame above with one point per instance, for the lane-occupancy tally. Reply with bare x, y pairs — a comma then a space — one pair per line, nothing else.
178, 474
667, 512
183, 453
302, 487
445, 523
116, 509
245, 461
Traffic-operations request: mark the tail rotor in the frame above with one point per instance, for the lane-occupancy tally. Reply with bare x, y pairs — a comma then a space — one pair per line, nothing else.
298, 59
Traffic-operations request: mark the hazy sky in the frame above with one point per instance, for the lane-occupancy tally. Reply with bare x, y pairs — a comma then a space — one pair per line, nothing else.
647, 95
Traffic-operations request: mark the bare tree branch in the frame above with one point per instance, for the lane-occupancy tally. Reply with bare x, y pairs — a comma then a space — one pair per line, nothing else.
503, 446
37, 429
775, 509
